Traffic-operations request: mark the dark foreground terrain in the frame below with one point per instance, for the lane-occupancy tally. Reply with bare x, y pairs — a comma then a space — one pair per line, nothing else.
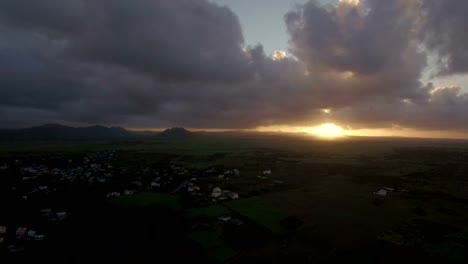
234, 198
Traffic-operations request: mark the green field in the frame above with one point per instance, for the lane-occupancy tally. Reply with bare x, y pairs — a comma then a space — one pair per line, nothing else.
216, 248
141, 200
259, 211
327, 185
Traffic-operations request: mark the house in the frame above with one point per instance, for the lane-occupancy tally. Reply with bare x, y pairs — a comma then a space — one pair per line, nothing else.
381, 192
45, 212
138, 183
224, 218
216, 192
128, 192
43, 188
15, 249
113, 194
61, 216
233, 195
21, 232
236, 221
193, 188
39, 237
31, 233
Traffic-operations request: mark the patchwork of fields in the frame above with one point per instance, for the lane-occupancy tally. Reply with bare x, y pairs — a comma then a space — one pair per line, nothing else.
317, 205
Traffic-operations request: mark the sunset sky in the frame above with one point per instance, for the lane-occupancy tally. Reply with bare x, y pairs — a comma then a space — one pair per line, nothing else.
369, 67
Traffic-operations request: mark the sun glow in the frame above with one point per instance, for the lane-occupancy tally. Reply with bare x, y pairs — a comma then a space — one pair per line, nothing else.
329, 130
350, 2
279, 55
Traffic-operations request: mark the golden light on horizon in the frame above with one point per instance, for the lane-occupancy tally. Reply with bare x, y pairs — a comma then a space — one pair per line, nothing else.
328, 130
331, 131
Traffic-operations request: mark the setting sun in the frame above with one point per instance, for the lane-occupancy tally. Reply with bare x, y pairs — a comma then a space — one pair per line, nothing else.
327, 130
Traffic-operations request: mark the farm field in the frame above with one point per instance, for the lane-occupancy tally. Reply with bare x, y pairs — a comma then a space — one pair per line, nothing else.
281, 197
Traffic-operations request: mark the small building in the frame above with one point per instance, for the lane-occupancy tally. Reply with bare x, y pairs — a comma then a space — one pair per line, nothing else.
233, 195
216, 192
128, 192
15, 249
193, 188
21, 232
224, 218
61, 216
235, 221
39, 237
31, 233
45, 212
381, 192
113, 194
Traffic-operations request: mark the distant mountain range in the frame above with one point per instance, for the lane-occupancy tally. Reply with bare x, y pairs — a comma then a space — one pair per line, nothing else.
176, 132
57, 131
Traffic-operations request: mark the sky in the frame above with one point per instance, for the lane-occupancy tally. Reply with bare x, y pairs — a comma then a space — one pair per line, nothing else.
369, 67
262, 21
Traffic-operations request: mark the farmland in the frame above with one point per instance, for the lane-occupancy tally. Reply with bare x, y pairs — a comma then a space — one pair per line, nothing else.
318, 204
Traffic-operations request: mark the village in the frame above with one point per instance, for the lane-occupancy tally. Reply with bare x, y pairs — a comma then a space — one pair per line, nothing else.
36, 189
214, 208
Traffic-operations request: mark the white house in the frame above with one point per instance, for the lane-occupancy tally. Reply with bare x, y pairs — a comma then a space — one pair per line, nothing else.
381, 192
216, 192
61, 216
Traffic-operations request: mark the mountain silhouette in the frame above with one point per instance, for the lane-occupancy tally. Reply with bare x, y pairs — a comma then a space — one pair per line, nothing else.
176, 132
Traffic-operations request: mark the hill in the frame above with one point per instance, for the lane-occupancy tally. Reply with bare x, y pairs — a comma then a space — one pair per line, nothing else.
176, 132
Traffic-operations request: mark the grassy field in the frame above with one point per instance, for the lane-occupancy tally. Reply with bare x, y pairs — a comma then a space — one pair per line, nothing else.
216, 248
328, 185
150, 200
259, 211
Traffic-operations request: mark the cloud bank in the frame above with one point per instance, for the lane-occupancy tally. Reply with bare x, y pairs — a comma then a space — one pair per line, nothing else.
158, 63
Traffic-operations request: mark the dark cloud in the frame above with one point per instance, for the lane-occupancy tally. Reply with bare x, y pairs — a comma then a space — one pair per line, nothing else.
374, 42
444, 33
157, 63
34, 72
176, 40
376, 47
